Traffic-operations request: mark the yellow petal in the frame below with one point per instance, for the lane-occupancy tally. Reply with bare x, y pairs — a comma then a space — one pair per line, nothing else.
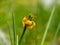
28, 23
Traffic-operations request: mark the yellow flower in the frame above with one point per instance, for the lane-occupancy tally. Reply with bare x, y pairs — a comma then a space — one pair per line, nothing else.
26, 22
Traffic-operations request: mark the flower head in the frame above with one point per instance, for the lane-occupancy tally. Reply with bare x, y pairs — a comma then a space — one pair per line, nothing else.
28, 22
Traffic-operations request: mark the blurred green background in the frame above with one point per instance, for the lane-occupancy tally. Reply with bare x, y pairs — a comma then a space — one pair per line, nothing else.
42, 9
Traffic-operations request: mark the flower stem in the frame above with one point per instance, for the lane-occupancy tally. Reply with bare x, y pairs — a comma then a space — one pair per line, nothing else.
22, 35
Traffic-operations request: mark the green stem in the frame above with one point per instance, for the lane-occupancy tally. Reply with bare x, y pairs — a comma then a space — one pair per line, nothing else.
22, 35
17, 40
9, 32
54, 39
14, 30
48, 24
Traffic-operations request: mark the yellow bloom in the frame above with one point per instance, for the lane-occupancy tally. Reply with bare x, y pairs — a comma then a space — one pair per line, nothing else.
26, 22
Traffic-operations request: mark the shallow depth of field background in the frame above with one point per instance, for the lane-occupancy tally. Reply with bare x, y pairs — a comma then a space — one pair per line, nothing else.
42, 9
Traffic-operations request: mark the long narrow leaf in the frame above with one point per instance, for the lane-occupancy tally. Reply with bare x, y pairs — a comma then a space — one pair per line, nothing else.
55, 36
48, 24
14, 30
9, 33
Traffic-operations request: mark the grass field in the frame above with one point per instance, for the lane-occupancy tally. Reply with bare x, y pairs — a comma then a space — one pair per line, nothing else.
46, 31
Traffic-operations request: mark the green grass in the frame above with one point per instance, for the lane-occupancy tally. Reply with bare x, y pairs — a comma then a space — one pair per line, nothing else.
46, 23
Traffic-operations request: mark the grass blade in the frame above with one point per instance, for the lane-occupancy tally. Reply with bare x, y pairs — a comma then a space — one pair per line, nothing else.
14, 30
17, 40
46, 30
9, 33
54, 39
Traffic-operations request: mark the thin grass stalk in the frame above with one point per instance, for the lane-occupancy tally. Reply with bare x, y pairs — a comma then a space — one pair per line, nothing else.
17, 40
48, 24
55, 36
8, 25
14, 30
22, 35
11, 8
